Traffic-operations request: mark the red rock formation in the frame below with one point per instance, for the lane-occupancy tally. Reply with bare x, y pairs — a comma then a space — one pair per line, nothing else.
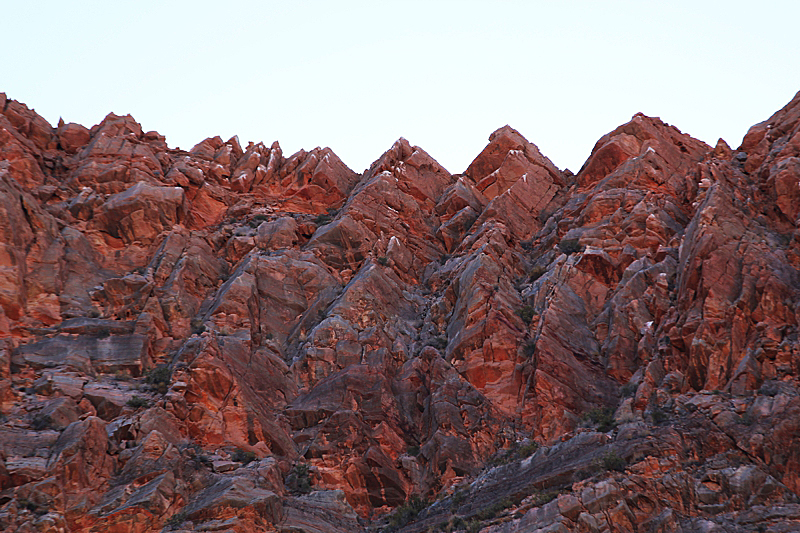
231, 339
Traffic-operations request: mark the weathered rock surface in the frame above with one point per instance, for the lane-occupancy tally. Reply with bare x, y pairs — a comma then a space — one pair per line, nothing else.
230, 339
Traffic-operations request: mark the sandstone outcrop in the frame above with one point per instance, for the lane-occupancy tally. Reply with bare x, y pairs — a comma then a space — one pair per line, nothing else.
231, 339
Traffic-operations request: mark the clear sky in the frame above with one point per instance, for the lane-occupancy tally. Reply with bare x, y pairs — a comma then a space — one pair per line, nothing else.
355, 76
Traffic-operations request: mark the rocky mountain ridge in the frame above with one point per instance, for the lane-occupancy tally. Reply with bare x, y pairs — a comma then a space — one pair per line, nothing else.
231, 339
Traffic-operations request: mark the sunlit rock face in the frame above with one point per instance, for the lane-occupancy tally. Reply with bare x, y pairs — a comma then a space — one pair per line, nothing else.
233, 339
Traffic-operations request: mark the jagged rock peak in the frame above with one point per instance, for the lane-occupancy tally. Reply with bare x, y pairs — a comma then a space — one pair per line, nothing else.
402, 152
505, 143
636, 137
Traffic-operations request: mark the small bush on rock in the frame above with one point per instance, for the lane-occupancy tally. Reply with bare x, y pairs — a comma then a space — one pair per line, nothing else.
769, 388
529, 348
33, 507
474, 525
495, 509
242, 456
456, 524
321, 220
406, 513
122, 375
175, 520
526, 313
458, 498
546, 497
299, 479
257, 220
159, 377
612, 461
536, 273
159, 374
659, 416
41, 422
439, 342
137, 402
602, 418
526, 450
197, 327
570, 246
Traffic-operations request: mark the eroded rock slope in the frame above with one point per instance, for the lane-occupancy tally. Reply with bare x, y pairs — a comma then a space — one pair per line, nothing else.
232, 339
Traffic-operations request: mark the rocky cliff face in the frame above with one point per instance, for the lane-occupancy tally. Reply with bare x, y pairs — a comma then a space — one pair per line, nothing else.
230, 339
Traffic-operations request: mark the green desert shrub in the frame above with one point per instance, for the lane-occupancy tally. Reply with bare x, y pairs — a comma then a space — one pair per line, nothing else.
159, 374
612, 461
769, 388
174, 521
474, 526
122, 375
241, 456
197, 326
526, 313
458, 498
526, 450
529, 348
406, 513
36, 508
536, 272
298, 481
137, 402
159, 377
570, 246
601, 417
515, 453
204, 460
546, 497
456, 524
495, 509
41, 421
321, 220
659, 416
257, 220
439, 342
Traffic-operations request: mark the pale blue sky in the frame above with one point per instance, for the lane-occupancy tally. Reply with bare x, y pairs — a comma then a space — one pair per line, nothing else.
355, 76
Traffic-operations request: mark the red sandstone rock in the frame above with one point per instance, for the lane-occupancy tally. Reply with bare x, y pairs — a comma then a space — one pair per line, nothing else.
205, 336
72, 137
